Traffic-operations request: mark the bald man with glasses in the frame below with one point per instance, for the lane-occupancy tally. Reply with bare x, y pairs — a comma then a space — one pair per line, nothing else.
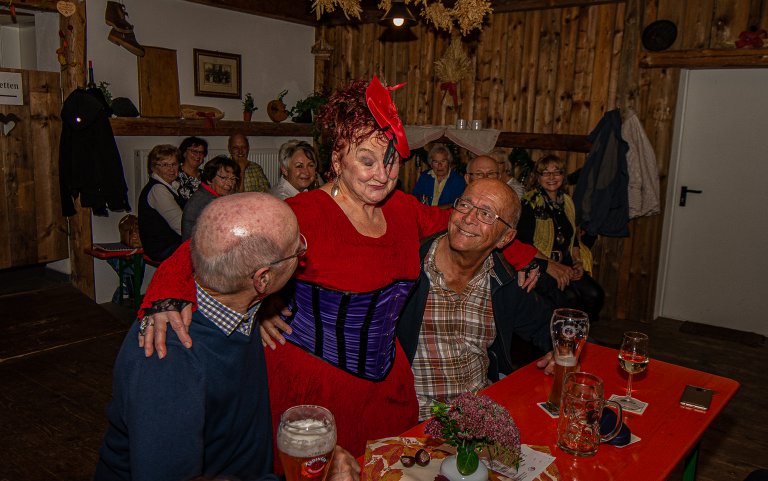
458, 324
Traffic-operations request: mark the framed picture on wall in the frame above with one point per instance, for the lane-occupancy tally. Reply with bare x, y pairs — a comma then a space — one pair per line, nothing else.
217, 74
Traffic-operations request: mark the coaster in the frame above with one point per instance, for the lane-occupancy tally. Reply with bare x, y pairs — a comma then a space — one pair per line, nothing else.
632, 440
554, 414
639, 410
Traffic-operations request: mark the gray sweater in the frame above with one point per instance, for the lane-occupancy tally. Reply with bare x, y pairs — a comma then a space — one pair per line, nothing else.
192, 209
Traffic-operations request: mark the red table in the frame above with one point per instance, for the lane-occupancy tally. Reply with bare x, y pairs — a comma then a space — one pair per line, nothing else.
669, 432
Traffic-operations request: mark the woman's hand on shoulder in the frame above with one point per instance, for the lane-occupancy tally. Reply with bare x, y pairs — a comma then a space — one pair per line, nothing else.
154, 327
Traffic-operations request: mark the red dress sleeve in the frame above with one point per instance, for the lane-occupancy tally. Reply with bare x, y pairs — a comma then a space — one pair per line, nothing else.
172, 280
519, 254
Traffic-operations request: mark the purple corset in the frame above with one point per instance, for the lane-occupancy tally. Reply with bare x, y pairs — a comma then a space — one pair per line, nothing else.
353, 331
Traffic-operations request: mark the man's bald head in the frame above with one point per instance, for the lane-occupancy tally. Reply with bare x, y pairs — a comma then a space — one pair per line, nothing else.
481, 167
504, 200
237, 234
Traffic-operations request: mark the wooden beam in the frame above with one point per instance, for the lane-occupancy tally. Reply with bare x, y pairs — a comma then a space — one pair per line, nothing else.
506, 6
44, 5
301, 12
72, 77
560, 142
123, 126
290, 11
706, 58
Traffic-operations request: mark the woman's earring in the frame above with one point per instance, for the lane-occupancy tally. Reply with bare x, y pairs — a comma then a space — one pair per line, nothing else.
335, 188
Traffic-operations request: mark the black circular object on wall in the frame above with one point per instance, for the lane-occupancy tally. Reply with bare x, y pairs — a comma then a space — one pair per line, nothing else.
659, 35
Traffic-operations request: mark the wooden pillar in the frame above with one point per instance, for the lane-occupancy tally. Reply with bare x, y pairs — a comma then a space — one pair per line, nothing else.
73, 75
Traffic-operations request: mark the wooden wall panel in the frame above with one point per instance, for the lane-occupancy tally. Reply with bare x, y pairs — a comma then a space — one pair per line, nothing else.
558, 70
44, 103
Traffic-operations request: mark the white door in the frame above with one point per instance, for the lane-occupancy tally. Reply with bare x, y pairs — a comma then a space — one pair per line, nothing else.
714, 256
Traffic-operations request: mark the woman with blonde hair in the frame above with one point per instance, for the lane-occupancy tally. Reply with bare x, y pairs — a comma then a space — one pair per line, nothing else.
548, 221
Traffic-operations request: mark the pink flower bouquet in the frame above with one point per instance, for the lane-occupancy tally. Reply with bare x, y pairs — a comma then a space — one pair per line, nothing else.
471, 422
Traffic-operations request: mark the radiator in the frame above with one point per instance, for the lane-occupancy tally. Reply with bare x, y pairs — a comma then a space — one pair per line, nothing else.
267, 158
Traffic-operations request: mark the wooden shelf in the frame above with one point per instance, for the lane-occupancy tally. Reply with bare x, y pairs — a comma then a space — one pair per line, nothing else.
126, 126
708, 58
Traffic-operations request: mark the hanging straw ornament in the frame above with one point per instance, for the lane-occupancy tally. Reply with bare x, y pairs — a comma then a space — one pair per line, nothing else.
351, 8
452, 68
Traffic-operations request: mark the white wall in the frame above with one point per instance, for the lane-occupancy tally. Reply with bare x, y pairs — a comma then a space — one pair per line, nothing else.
275, 56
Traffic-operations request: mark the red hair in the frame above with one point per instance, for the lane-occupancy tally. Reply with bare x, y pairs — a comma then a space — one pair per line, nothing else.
347, 118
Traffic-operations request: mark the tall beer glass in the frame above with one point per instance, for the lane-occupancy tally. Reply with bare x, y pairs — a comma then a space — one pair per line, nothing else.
306, 438
569, 329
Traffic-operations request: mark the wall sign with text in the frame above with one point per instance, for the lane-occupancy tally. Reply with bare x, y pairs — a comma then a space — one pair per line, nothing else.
11, 89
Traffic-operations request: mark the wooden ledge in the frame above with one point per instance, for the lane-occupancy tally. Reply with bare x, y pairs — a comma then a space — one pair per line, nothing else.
707, 58
126, 126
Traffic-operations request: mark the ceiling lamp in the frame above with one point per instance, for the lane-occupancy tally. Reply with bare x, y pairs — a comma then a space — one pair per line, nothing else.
398, 16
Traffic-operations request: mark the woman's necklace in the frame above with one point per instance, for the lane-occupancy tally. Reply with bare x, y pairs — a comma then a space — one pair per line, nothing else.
555, 209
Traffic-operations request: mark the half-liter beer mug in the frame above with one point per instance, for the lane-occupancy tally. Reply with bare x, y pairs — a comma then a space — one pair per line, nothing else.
306, 439
578, 428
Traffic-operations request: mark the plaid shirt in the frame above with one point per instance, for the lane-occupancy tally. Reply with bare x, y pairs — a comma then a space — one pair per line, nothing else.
451, 357
254, 179
222, 316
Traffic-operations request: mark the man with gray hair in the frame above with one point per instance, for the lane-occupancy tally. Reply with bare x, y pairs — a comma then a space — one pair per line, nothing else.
204, 411
504, 167
298, 168
458, 323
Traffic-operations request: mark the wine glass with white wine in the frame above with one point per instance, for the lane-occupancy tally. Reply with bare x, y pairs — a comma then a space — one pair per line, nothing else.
633, 358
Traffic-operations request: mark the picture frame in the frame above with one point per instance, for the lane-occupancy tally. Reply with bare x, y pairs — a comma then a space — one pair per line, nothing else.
217, 74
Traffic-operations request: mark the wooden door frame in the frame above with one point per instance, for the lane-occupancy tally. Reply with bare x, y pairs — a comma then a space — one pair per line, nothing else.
73, 75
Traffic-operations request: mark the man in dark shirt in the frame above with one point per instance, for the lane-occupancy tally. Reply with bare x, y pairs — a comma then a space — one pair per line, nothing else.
205, 411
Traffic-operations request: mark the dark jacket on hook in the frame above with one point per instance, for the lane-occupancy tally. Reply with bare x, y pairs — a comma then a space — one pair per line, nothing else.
89, 162
601, 197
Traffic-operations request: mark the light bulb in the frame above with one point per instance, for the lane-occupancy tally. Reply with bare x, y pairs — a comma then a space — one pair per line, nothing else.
398, 21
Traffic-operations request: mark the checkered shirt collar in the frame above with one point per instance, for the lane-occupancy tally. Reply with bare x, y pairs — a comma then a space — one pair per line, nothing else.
226, 319
436, 276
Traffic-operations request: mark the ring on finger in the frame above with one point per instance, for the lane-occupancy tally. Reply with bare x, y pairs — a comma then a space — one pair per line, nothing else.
146, 322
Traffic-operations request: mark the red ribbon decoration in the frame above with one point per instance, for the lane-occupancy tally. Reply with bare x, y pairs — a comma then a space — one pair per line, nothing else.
450, 88
384, 111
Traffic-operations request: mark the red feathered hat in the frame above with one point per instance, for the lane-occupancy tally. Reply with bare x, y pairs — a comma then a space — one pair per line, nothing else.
384, 111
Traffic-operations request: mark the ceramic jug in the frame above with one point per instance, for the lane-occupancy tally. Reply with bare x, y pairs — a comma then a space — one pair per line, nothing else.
581, 406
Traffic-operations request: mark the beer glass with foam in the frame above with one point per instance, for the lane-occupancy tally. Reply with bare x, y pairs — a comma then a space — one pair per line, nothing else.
569, 329
306, 439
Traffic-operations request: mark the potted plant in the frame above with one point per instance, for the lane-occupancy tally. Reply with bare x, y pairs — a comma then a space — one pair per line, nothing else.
472, 422
305, 108
248, 107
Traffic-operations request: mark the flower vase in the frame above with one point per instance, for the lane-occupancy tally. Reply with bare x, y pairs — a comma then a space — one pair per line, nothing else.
464, 466
247, 116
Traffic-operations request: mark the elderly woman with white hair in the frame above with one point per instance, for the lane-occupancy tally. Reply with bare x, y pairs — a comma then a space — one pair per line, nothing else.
298, 168
441, 185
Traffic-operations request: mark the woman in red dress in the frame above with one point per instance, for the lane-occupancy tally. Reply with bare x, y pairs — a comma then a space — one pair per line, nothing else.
362, 259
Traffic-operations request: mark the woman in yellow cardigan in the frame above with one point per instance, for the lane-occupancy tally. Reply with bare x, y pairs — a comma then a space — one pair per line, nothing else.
548, 221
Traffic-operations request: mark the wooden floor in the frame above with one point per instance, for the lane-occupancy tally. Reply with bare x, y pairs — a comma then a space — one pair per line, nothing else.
57, 349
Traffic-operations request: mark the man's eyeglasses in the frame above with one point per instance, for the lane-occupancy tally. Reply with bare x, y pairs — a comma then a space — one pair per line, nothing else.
483, 215
299, 252
551, 173
228, 179
484, 175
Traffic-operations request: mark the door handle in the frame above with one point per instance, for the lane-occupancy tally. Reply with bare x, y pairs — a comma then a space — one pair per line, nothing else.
684, 191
